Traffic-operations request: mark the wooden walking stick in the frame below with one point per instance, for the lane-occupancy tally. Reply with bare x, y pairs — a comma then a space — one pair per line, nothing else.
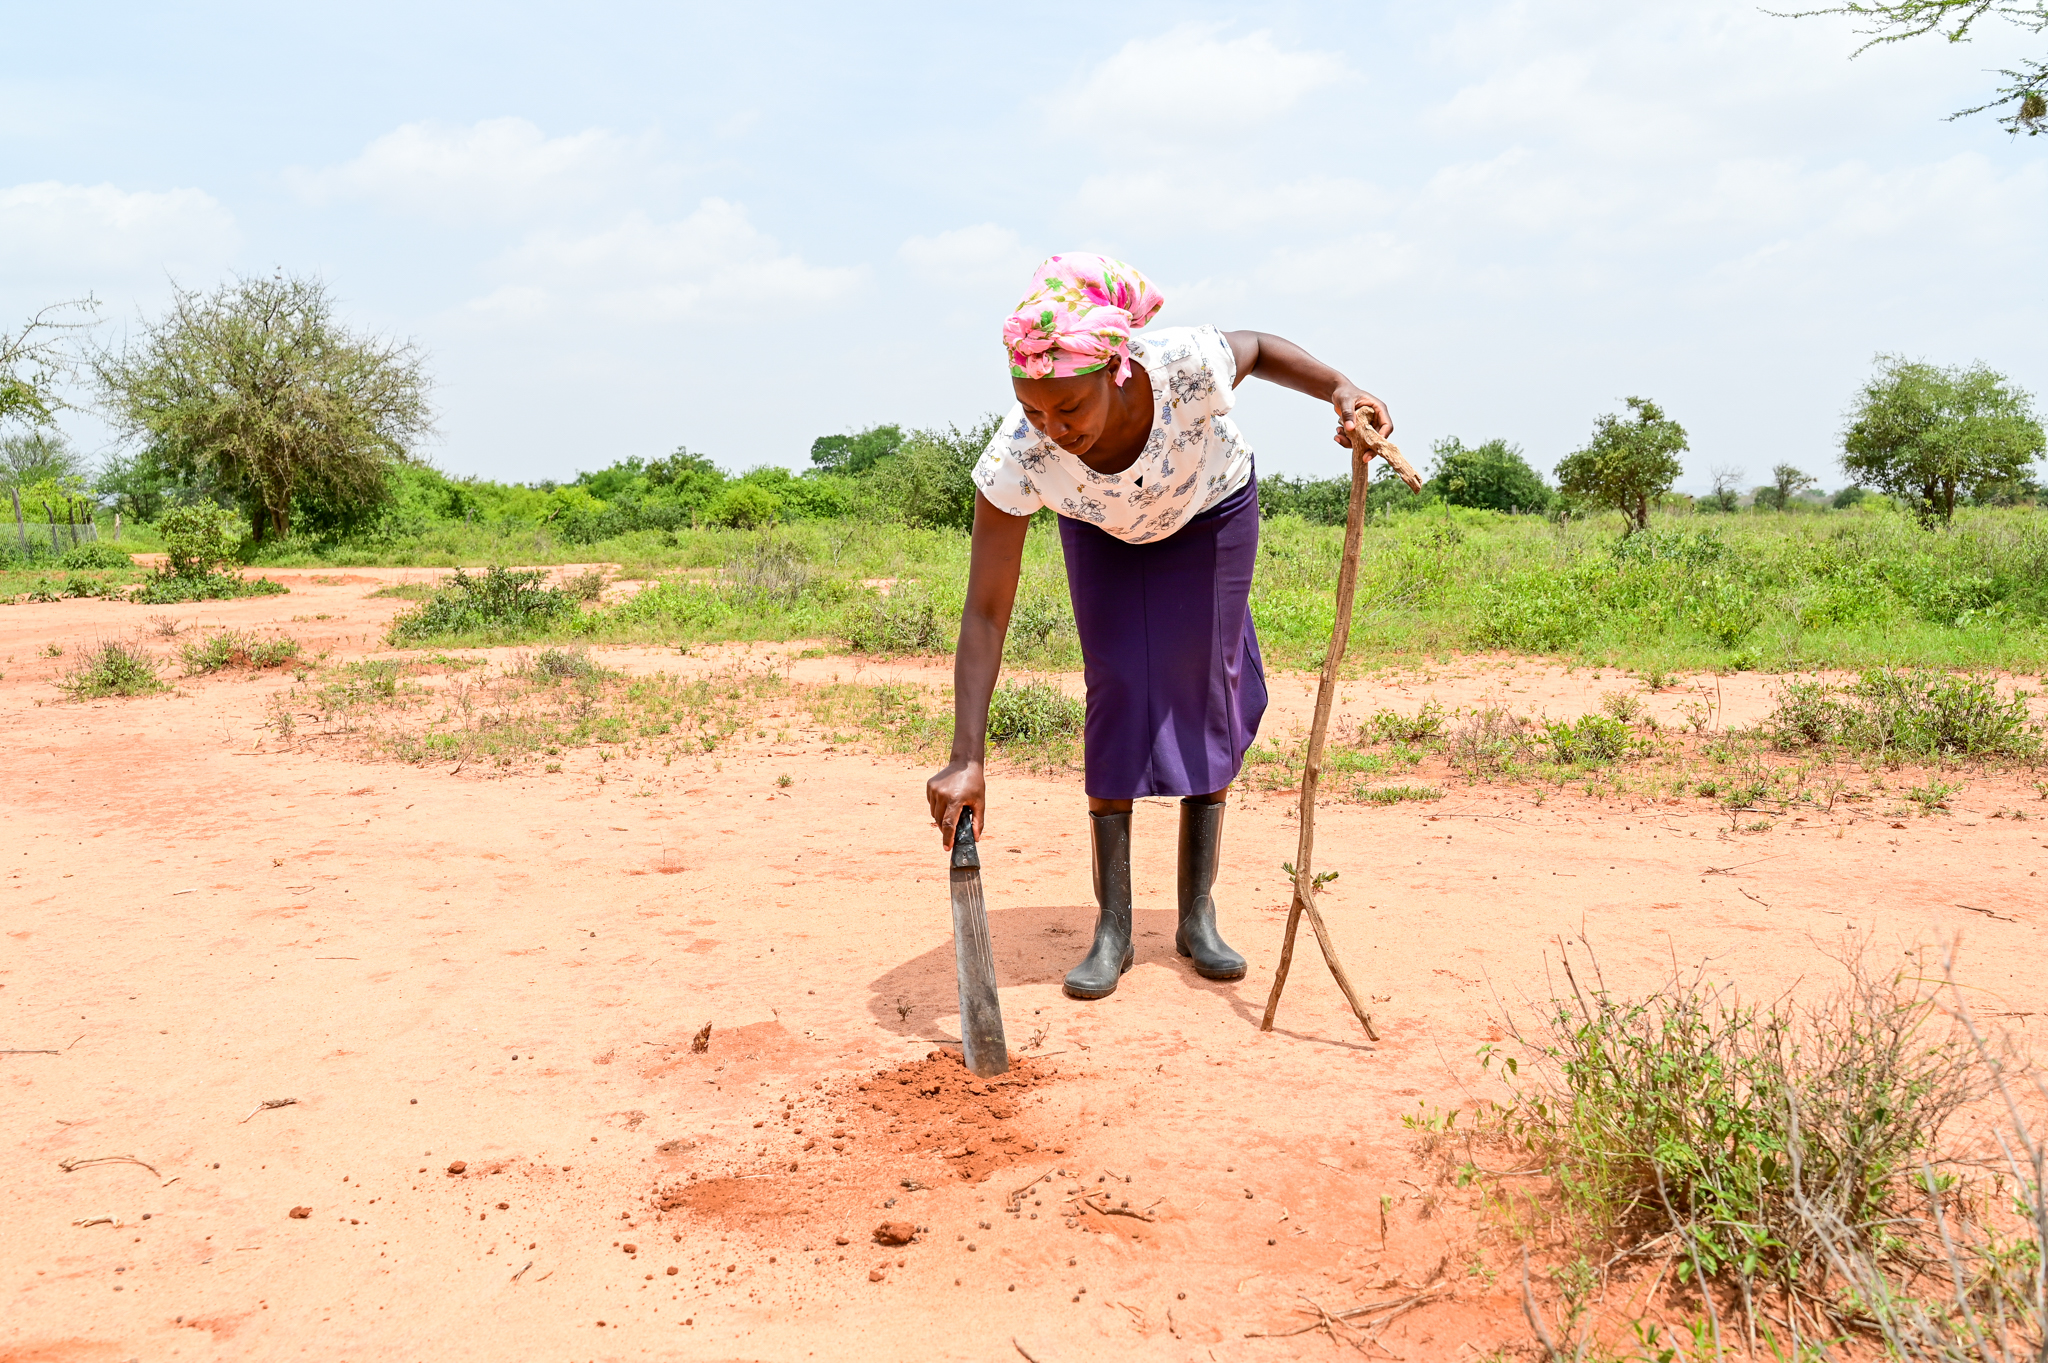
1365, 443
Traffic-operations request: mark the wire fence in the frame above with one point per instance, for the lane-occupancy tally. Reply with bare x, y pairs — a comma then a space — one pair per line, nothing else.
79, 526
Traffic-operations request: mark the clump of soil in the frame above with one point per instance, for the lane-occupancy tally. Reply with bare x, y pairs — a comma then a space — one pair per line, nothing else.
909, 1126
936, 1105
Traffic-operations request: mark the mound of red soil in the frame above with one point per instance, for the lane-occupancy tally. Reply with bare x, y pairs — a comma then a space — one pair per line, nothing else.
908, 1126
936, 1105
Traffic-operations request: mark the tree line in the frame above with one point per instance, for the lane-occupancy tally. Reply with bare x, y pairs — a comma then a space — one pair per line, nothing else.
256, 396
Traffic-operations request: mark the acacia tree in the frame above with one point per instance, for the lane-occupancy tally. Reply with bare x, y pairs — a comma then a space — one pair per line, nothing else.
2025, 92
256, 389
35, 361
1786, 483
1925, 434
1628, 464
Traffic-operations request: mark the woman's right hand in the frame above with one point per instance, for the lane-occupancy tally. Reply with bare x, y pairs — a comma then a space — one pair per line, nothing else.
956, 786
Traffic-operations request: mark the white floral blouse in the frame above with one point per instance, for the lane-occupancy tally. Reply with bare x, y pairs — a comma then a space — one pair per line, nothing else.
1193, 459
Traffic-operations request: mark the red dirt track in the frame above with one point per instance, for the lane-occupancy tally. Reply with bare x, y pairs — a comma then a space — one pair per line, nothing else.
509, 971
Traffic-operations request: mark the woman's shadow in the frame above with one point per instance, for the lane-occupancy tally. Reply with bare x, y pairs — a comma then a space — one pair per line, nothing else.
1033, 944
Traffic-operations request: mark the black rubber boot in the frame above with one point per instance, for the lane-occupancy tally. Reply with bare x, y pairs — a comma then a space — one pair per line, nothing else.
1201, 845
1097, 975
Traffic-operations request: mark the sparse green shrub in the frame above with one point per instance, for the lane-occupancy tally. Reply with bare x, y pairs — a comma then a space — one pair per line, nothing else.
1908, 712
503, 603
1934, 795
94, 554
114, 668
1034, 712
1038, 616
78, 585
1589, 741
587, 585
1807, 714
905, 621
558, 664
1781, 1151
1622, 705
768, 570
1424, 726
1488, 740
231, 648
170, 589
1394, 795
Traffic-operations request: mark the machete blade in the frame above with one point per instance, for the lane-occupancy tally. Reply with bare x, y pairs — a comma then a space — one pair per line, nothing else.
981, 1016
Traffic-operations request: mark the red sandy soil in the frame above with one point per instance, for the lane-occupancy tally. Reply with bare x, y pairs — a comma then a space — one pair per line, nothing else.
505, 974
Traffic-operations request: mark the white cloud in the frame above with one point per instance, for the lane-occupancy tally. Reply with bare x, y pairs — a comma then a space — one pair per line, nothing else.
91, 231
981, 254
492, 168
1345, 268
1189, 85
713, 261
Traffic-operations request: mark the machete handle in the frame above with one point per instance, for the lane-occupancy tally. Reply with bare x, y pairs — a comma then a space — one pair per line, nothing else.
965, 857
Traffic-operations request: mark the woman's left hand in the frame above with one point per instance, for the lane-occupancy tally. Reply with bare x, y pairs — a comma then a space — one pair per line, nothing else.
1351, 401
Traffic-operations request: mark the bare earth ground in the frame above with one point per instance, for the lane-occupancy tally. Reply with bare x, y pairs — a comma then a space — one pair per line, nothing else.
503, 974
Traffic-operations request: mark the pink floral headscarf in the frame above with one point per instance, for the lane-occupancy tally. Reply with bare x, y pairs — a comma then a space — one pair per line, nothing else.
1078, 317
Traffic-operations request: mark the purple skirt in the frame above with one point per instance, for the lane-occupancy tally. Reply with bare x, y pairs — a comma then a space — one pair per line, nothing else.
1176, 687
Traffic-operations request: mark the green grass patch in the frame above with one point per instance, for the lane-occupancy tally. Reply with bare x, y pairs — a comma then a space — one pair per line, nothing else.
1780, 593
114, 668
1908, 714
169, 589
501, 605
1394, 795
229, 648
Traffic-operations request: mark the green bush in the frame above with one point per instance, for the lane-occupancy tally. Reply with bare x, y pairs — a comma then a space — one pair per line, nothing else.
743, 506
1034, 712
505, 603
1493, 476
766, 569
1319, 501
1424, 726
94, 554
199, 539
170, 589
1589, 741
1907, 712
114, 668
231, 648
1788, 1150
905, 621
929, 480
565, 664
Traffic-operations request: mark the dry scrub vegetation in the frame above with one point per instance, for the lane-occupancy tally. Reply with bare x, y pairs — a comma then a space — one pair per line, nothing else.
554, 705
1711, 1177
1888, 743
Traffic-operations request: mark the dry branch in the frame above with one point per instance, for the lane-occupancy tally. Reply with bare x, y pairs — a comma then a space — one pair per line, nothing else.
1365, 443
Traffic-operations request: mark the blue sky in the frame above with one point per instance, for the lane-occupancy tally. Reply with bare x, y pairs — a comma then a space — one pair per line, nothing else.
617, 228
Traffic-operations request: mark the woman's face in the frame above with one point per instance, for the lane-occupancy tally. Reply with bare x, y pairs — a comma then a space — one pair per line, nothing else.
1072, 412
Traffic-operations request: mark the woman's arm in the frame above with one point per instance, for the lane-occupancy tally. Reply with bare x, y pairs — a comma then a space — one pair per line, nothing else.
993, 567
1287, 364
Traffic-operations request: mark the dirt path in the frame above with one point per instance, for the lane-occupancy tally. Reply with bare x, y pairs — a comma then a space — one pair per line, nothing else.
509, 973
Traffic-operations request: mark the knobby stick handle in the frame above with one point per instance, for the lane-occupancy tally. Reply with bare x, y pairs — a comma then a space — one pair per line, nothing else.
1365, 443
1375, 443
